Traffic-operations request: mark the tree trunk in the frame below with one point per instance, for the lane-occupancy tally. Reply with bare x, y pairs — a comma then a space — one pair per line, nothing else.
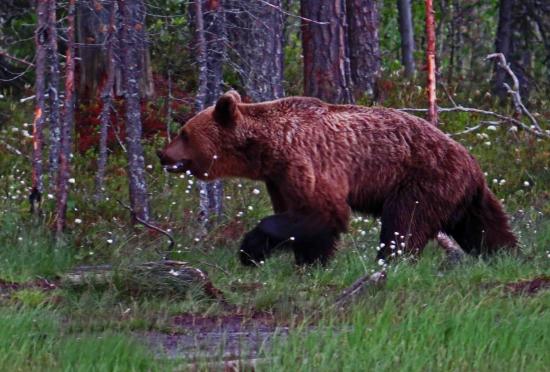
41, 39
503, 44
256, 37
53, 89
106, 100
210, 57
406, 29
326, 64
514, 39
364, 45
92, 33
133, 18
430, 54
68, 125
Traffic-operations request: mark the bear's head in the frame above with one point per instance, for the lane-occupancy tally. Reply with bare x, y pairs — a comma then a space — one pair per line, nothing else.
210, 144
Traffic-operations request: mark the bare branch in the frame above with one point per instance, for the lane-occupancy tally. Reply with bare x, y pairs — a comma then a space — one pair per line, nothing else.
293, 15
152, 227
503, 118
5, 54
516, 97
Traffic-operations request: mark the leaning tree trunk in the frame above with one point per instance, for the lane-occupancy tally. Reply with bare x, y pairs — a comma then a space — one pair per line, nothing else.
67, 127
256, 37
326, 64
106, 101
364, 45
406, 29
430, 56
133, 20
41, 40
53, 89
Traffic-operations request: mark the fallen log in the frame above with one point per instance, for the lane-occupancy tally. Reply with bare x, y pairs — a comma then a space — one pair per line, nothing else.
359, 287
165, 277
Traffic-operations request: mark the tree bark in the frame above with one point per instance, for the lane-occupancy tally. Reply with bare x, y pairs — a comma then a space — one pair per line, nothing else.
256, 38
92, 33
406, 29
364, 45
515, 40
209, 35
133, 18
41, 40
326, 64
53, 89
68, 125
430, 54
503, 44
106, 100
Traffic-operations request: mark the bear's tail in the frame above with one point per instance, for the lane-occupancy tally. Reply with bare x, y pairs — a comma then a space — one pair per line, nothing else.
484, 228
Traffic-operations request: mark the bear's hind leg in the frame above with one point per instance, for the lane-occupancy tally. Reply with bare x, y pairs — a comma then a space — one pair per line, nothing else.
407, 225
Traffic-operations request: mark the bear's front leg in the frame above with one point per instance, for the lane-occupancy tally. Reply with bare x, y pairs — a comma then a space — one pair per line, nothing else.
311, 239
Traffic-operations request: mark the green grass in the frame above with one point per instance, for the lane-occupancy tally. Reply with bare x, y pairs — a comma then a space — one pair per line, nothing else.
34, 340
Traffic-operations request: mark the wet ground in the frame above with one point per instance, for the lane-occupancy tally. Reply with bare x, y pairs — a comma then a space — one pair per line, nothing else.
229, 337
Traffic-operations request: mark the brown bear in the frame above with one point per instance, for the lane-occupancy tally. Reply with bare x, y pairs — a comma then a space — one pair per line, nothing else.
321, 161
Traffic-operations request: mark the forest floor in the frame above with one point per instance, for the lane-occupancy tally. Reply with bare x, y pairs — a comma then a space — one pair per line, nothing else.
482, 314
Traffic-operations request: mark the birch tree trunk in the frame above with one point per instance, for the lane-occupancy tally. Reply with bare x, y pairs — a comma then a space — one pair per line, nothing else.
430, 56
326, 64
68, 125
406, 29
106, 101
256, 38
41, 40
53, 89
133, 17
364, 45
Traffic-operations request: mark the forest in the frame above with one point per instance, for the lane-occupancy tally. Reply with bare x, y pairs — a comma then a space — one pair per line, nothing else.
112, 260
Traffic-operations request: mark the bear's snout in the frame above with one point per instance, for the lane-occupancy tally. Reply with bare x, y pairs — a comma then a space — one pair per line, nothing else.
171, 165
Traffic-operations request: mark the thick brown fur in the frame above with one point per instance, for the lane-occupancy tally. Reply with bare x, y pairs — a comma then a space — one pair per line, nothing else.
321, 161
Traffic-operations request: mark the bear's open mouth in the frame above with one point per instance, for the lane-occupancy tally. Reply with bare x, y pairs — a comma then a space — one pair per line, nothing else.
179, 167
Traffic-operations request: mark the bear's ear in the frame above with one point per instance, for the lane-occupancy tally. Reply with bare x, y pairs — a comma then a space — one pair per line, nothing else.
226, 111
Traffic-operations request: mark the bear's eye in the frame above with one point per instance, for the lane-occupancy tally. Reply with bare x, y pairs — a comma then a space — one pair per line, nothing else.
184, 136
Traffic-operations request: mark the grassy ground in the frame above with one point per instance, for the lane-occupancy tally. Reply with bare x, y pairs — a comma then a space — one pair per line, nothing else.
428, 316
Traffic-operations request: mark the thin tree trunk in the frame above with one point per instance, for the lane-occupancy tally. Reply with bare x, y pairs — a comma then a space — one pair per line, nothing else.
256, 35
326, 63
68, 125
41, 39
364, 45
53, 89
406, 29
210, 76
430, 54
215, 35
133, 17
106, 101
202, 90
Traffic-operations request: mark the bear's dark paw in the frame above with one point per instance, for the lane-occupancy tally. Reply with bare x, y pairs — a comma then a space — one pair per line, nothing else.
256, 247
315, 250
